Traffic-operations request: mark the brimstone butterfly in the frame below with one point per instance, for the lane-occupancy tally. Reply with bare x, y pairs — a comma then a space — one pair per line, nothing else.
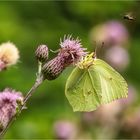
92, 83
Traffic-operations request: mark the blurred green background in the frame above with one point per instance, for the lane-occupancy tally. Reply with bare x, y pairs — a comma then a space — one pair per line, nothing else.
31, 23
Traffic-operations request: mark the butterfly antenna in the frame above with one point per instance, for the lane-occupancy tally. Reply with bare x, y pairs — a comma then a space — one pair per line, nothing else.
95, 53
98, 47
95, 50
102, 45
101, 48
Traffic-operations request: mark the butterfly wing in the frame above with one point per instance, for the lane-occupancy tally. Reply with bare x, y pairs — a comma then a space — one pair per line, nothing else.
81, 90
112, 84
86, 89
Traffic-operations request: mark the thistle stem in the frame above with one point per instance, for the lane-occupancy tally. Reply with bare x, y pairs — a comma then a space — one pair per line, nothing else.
37, 83
39, 80
30, 92
39, 67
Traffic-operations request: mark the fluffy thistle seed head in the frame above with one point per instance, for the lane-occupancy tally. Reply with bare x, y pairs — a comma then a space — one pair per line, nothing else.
9, 53
41, 53
9, 102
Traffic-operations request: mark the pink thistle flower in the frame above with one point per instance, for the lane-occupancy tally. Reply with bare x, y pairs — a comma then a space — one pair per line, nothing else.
118, 57
71, 50
111, 33
9, 103
65, 129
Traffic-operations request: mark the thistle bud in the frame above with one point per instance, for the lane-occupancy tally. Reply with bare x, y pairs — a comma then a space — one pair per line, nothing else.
52, 69
41, 53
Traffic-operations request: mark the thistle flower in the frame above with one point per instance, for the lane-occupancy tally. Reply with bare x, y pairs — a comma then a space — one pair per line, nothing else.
9, 103
71, 52
65, 129
118, 57
111, 33
41, 53
9, 54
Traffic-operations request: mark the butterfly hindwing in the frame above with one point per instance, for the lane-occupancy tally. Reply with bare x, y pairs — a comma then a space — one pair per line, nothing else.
112, 84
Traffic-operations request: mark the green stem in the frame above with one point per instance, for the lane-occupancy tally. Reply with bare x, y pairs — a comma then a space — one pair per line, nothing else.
37, 83
39, 67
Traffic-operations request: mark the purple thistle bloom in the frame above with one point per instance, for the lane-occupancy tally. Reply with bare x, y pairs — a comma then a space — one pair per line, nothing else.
71, 50
9, 103
65, 129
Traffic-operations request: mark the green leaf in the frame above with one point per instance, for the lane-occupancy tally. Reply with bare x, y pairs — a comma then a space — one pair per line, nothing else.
98, 84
